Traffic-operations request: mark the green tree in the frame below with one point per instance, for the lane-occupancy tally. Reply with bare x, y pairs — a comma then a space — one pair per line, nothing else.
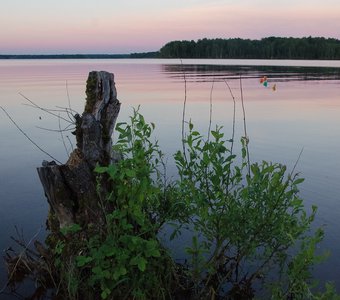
266, 48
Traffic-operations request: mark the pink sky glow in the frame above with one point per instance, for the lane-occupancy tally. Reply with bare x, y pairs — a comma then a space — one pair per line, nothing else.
116, 27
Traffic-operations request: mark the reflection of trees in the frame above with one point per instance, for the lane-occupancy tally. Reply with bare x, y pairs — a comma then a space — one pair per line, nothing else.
221, 72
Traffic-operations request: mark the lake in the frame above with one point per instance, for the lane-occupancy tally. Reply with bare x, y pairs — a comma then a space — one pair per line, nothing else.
301, 113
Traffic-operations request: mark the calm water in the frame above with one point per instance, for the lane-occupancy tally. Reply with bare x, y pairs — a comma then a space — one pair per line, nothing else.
303, 113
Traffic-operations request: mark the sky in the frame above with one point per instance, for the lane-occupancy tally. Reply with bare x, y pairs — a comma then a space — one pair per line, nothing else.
126, 26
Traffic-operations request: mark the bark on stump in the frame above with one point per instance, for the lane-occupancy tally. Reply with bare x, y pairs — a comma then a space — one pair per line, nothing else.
71, 188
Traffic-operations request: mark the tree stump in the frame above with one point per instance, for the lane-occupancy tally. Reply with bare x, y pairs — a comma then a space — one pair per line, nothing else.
71, 188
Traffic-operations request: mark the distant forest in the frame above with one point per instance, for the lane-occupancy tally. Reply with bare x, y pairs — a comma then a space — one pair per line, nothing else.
266, 48
62, 56
79, 56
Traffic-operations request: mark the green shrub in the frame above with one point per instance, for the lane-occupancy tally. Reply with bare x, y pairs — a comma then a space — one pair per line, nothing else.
248, 223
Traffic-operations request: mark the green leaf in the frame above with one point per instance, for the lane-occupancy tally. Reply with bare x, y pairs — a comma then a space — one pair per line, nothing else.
314, 208
97, 270
255, 170
112, 170
154, 253
140, 262
106, 274
152, 249
100, 170
175, 233
298, 181
70, 229
130, 173
215, 134
119, 272
105, 293
244, 153
83, 260
206, 158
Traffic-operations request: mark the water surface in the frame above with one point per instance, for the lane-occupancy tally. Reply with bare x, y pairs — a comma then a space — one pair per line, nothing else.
302, 113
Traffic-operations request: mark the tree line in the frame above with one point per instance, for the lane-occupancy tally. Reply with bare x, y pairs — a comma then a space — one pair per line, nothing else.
154, 54
63, 56
266, 48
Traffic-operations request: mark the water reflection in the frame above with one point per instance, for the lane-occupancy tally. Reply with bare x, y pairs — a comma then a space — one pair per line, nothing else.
303, 112
220, 72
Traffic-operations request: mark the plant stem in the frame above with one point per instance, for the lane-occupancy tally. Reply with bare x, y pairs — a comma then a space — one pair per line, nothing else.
245, 126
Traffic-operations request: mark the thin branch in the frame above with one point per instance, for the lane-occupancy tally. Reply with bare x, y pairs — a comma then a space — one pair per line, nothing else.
232, 135
56, 130
297, 161
68, 112
62, 108
211, 108
46, 109
245, 125
20, 234
265, 262
24, 133
207, 166
22, 243
184, 107
234, 117
68, 138
20, 256
43, 109
62, 137
68, 97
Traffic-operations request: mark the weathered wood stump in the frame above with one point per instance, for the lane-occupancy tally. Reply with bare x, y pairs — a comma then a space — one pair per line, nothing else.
71, 188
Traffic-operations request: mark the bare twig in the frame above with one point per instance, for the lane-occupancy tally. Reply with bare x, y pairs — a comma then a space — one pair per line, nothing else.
68, 97
20, 257
296, 162
43, 109
184, 107
24, 133
211, 108
22, 243
209, 129
245, 126
62, 108
67, 128
70, 113
234, 117
62, 137
233, 132
68, 138
59, 109
20, 234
